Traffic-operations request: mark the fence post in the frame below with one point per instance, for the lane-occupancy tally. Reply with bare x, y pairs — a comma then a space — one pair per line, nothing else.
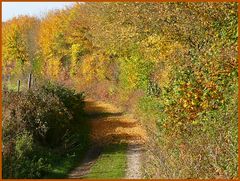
29, 81
11, 166
18, 85
34, 79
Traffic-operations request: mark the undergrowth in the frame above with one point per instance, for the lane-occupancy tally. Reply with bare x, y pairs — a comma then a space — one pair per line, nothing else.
44, 132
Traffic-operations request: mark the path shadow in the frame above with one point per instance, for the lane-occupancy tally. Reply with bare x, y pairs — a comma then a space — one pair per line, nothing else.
114, 138
110, 130
84, 168
94, 115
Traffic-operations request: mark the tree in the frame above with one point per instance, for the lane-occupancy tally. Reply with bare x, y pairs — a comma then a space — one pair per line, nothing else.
19, 43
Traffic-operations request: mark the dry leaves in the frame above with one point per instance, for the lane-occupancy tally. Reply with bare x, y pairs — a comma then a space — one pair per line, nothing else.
111, 126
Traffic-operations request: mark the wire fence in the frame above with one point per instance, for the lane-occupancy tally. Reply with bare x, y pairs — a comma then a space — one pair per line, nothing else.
18, 85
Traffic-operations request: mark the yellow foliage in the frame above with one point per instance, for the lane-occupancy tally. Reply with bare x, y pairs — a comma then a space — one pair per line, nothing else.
159, 48
94, 67
86, 68
18, 42
163, 51
53, 68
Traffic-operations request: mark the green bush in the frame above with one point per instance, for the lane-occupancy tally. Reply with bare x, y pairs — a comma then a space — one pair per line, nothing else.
207, 148
197, 123
72, 101
134, 71
21, 158
39, 125
39, 113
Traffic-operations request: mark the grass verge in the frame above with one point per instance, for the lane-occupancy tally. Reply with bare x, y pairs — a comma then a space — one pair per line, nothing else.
111, 164
62, 164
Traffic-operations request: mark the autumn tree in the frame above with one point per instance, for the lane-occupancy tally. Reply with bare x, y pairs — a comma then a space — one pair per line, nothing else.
19, 43
63, 40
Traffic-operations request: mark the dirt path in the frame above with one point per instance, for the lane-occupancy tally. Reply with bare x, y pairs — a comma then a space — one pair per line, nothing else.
110, 125
134, 163
84, 168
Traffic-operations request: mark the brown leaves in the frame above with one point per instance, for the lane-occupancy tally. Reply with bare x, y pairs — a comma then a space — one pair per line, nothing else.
111, 126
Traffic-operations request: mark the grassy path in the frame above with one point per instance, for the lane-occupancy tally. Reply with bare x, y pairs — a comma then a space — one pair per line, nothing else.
115, 136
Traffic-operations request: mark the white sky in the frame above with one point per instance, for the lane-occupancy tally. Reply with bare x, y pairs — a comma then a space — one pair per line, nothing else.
12, 9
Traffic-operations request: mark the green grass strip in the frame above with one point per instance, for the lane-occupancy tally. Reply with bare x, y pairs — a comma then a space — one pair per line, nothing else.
61, 166
112, 163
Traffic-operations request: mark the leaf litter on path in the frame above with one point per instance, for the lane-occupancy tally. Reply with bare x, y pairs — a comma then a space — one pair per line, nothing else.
109, 125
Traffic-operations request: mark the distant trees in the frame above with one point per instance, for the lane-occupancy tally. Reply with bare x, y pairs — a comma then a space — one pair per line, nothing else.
62, 41
19, 43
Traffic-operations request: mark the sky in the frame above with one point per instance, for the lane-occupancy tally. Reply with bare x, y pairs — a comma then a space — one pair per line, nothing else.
12, 9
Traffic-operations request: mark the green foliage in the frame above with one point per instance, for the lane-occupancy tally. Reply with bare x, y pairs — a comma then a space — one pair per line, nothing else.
77, 51
153, 89
37, 65
24, 143
134, 71
40, 113
17, 46
36, 121
196, 157
150, 106
71, 100
198, 103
